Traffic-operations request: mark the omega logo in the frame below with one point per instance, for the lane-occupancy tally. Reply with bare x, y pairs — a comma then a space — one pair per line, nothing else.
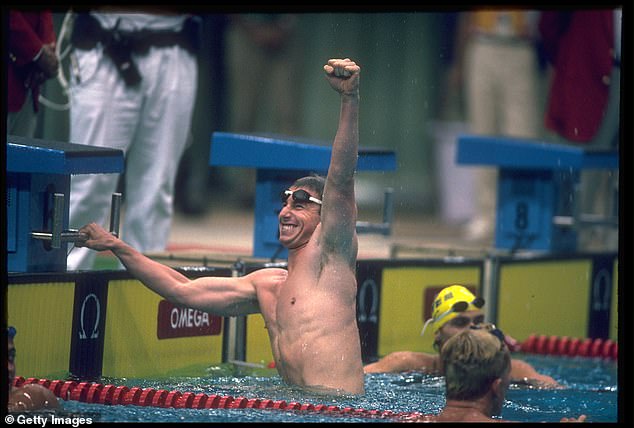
368, 293
94, 334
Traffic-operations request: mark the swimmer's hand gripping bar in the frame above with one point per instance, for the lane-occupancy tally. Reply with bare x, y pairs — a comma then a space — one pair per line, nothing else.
384, 228
56, 236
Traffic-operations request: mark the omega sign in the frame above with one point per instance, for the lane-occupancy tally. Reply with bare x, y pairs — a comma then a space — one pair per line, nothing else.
175, 321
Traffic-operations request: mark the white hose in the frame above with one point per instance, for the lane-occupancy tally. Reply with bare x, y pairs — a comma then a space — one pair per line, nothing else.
64, 33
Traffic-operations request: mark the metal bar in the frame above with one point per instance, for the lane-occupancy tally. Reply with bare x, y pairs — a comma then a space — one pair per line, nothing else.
66, 236
58, 220
115, 211
585, 220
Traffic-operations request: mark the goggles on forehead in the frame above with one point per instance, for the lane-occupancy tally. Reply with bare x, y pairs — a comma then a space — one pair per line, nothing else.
459, 306
299, 196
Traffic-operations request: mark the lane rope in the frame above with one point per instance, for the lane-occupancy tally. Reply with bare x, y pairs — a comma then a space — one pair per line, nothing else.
572, 347
97, 393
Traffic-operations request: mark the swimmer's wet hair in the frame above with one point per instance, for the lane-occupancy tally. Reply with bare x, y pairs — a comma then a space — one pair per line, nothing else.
472, 360
313, 182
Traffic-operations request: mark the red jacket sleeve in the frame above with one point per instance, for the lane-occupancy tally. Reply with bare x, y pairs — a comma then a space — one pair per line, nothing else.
29, 31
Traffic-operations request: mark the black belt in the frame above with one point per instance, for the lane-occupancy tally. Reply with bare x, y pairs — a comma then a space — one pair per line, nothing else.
118, 45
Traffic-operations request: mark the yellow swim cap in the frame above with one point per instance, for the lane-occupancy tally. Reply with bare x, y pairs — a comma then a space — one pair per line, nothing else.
448, 302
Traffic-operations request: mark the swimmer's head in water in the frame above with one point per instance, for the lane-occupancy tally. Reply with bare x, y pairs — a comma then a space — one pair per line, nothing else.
473, 360
449, 302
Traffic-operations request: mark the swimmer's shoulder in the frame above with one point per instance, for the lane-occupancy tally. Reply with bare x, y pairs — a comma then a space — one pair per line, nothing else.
267, 276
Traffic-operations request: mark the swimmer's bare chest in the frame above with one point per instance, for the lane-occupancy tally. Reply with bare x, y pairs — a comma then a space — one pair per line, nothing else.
306, 304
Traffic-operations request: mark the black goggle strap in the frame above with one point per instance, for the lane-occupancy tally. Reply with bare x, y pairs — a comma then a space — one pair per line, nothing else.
491, 328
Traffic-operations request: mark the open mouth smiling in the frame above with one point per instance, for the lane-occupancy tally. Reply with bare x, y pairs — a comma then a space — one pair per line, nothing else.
287, 227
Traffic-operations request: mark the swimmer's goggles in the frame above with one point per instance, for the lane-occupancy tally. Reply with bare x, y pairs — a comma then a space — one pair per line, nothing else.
299, 196
460, 306
491, 328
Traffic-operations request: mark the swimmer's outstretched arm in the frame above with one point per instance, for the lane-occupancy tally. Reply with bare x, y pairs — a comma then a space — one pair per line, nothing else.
402, 361
226, 296
521, 370
339, 209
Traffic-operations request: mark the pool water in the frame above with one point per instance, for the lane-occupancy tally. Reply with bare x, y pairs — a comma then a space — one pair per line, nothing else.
591, 390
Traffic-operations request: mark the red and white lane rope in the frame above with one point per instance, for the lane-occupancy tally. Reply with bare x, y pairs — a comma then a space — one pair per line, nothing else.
98, 393
572, 347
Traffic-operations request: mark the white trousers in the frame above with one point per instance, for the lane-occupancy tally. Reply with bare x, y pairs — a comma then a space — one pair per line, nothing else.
502, 83
150, 123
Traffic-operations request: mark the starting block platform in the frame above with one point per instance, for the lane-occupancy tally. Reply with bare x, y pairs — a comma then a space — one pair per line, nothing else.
279, 161
38, 186
536, 187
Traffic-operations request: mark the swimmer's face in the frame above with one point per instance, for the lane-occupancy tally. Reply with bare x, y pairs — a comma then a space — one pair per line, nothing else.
11, 362
462, 321
498, 400
298, 220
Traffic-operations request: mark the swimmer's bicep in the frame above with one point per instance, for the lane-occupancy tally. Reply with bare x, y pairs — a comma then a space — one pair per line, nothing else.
338, 227
228, 296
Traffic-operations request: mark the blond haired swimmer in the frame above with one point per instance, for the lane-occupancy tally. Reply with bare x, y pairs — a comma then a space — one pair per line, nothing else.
454, 309
477, 367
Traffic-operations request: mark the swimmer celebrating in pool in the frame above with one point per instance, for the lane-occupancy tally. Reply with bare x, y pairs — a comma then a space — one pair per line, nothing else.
310, 309
454, 310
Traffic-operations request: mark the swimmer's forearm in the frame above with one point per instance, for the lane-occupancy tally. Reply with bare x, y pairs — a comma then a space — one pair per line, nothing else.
522, 372
343, 75
345, 148
224, 296
157, 277
339, 213
339, 209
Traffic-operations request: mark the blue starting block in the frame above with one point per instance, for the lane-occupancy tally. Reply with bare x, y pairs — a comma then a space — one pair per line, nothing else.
38, 181
536, 188
279, 161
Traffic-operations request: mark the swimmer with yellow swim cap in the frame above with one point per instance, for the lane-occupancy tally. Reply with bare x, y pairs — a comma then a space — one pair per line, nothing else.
454, 309
449, 303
